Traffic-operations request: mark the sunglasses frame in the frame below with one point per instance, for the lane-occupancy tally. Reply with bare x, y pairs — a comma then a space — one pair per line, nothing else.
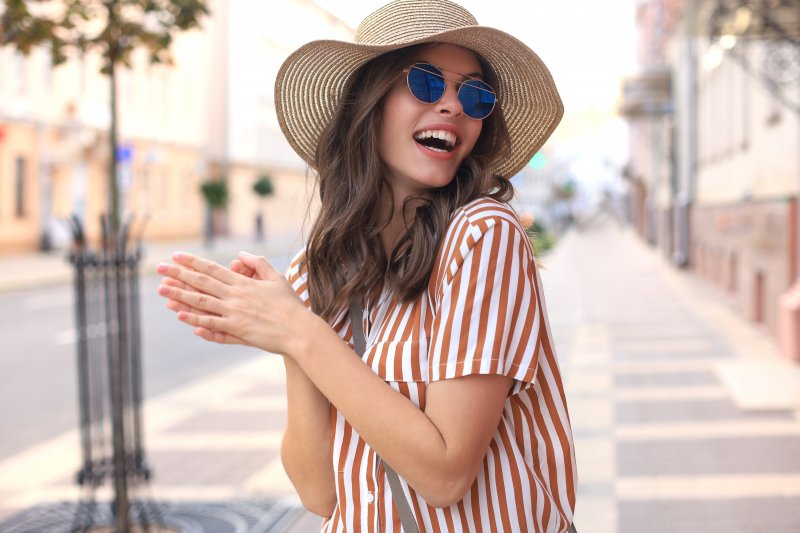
460, 83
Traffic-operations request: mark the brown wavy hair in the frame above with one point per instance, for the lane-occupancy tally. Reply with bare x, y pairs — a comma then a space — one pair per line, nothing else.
345, 256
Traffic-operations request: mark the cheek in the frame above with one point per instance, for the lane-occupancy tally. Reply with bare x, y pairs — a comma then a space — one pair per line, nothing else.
392, 113
473, 132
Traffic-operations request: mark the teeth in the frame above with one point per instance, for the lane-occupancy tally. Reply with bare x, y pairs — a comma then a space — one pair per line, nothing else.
447, 136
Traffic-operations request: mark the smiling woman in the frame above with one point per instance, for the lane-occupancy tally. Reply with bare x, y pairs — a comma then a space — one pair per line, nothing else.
423, 387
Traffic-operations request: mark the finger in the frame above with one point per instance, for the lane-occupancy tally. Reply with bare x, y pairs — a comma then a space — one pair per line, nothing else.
213, 324
198, 300
240, 268
192, 280
175, 283
174, 305
204, 266
178, 284
217, 336
263, 268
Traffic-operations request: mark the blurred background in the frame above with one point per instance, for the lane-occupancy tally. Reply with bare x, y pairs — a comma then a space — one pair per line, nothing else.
664, 210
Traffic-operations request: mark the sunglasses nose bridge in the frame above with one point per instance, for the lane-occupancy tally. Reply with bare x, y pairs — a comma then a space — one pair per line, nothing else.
449, 101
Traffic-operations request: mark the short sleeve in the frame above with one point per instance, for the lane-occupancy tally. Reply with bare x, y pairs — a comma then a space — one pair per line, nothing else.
487, 316
297, 276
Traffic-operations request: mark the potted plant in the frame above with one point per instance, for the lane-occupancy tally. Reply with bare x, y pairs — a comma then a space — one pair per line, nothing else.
263, 187
215, 193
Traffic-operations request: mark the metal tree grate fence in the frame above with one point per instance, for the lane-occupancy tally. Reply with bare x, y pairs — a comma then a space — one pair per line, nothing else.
109, 369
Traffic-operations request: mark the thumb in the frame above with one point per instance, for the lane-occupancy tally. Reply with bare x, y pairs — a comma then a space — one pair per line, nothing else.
263, 268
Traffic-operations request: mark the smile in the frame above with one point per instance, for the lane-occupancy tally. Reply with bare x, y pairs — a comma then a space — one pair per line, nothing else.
437, 140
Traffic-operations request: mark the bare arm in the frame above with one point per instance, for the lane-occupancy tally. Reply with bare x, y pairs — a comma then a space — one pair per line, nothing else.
438, 451
305, 449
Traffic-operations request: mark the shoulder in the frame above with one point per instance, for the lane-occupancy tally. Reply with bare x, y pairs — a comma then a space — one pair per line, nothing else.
483, 213
469, 227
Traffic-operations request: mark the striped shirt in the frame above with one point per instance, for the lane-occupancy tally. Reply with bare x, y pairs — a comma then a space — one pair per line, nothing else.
482, 313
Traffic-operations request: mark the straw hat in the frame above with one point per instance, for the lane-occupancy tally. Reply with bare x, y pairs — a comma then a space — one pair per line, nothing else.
312, 80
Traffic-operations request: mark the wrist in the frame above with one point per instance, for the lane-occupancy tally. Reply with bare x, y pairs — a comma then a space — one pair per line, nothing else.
299, 344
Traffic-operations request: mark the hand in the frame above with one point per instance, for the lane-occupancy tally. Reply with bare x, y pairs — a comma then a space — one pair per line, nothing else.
249, 304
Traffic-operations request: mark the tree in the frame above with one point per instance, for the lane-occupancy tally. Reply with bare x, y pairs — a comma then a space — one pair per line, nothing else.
263, 188
215, 193
114, 28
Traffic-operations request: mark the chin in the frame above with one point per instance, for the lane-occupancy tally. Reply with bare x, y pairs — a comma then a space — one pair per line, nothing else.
437, 181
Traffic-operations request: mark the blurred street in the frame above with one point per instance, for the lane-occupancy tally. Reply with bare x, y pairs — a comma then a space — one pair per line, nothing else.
684, 416
669, 193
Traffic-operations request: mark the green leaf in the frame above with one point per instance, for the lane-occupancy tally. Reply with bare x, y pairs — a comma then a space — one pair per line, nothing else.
215, 193
263, 186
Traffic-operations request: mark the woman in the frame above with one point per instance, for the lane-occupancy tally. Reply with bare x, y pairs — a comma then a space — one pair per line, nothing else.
413, 132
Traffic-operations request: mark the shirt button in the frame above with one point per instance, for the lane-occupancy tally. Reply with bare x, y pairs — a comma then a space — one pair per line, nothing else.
370, 497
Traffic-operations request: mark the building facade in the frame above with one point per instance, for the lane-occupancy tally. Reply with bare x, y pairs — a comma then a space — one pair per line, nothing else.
749, 172
733, 161
210, 116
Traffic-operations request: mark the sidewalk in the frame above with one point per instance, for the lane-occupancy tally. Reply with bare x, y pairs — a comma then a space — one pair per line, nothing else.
33, 270
684, 416
215, 440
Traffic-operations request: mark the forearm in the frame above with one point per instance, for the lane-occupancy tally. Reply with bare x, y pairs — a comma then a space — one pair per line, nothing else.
402, 434
305, 449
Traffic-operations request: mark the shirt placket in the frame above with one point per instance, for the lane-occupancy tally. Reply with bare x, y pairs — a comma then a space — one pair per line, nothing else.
370, 501
378, 476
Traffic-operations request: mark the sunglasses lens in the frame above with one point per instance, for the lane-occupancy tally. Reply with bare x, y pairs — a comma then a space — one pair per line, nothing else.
477, 99
426, 82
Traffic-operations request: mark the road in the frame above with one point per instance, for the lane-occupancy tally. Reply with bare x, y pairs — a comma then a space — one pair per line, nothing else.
38, 369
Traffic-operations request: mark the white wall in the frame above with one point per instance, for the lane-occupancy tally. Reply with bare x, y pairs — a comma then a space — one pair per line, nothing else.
748, 142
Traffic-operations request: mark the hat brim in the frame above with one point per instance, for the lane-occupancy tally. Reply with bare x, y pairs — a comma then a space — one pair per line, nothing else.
311, 83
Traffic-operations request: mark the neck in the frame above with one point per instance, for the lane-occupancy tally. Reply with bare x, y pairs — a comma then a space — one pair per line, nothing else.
398, 223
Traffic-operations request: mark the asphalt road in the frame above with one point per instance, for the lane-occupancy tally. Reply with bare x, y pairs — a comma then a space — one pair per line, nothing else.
38, 368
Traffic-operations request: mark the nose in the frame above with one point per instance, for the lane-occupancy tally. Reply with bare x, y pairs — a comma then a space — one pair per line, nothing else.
449, 104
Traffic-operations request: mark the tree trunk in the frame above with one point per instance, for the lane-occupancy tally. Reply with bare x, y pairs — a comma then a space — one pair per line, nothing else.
119, 459
113, 189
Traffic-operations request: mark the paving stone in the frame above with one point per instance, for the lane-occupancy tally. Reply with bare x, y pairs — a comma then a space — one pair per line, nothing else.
592, 489
743, 455
208, 467
662, 355
664, 378
756, 515
650, 411
264, 389
659, 332
233, 421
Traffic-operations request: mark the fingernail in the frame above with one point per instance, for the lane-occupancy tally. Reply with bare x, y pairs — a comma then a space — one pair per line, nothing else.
162, 268
246, 254
163, 290
177, 256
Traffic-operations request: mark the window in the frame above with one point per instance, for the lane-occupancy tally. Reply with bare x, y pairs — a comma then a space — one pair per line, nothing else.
19, 196
48, 67
19, 70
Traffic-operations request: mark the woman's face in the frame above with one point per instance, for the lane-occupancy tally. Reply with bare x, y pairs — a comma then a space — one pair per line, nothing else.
413, 167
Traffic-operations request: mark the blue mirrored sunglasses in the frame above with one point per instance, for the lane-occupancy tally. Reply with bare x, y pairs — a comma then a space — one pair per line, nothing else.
427, 84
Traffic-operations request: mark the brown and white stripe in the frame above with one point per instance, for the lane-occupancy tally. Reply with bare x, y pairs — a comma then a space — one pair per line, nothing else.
483, 313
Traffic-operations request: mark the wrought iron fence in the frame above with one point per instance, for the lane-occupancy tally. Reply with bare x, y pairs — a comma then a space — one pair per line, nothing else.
109, 371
